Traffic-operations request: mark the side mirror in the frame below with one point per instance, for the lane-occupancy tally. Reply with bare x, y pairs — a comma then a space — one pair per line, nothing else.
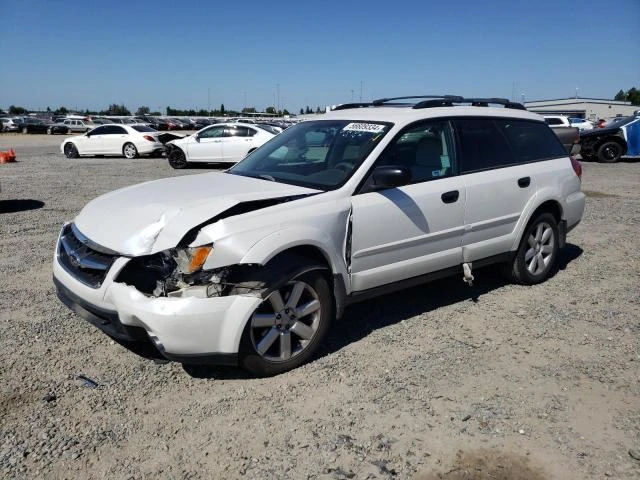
196, 137
390, 176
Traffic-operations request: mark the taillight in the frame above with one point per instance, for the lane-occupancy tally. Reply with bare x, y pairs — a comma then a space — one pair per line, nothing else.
149, 137
577, 167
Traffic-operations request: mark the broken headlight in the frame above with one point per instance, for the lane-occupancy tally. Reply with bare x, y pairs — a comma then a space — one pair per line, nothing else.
167, 271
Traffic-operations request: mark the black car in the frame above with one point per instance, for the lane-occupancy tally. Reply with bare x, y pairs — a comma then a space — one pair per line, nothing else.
619, 137
35, 125
59, 127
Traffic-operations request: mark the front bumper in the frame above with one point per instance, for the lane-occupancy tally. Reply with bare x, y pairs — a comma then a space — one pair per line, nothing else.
184, 329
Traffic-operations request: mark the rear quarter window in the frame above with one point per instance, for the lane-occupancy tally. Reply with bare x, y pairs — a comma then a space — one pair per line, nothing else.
531, 141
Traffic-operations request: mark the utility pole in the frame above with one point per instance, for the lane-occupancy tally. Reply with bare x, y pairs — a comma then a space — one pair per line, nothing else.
278, 92
245, 101
360, 91
209, 100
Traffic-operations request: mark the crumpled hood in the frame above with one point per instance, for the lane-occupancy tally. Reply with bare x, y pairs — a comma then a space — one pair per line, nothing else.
153, 216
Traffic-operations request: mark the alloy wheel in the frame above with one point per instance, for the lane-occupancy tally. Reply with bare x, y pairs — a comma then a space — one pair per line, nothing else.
284, 324
541, 242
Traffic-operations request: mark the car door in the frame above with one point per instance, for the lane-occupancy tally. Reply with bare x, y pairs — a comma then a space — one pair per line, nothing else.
237, 141
93, 143
498, 184
206, 145
114, 139
411, 230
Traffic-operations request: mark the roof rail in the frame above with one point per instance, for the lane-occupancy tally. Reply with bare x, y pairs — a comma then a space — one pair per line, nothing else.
475, 102
346, 106
382, 101
430, 101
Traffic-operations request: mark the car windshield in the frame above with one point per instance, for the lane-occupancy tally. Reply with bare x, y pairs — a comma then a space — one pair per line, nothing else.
319, 154
143, 128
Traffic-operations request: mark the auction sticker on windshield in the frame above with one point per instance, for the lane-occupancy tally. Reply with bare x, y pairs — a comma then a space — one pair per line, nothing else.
364, 127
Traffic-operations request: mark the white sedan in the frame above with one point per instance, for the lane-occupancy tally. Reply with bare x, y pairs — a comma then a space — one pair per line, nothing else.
219, 143
128, 140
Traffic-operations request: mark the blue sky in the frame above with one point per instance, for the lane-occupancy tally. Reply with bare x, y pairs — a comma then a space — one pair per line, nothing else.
88, 54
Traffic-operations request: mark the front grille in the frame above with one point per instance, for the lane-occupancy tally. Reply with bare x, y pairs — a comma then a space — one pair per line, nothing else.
86, 261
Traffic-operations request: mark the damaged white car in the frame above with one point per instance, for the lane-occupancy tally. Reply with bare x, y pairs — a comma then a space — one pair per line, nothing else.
250, 266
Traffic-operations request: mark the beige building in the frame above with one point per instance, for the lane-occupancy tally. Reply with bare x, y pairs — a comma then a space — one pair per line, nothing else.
589, 108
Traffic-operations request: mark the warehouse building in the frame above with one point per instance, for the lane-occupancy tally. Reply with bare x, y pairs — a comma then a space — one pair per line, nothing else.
589, 108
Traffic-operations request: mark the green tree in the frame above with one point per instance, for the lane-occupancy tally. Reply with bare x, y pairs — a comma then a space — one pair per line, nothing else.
633, 96
270, 110
620, 96
308, 110
249, 110
222, 109
115, 109
143, 110
285, 112
13, 110
61, 111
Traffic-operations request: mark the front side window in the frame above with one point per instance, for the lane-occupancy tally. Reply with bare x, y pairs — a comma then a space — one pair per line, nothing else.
425, 149
320, 154
99, 131
212, 132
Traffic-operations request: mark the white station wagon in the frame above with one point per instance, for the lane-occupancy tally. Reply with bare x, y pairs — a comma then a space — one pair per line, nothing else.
251, 265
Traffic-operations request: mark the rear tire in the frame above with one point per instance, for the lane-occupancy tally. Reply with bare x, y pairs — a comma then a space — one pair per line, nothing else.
49, 131
70, 150
288, 326
609, 152
537, 253
177, 159
25, 130
129, 150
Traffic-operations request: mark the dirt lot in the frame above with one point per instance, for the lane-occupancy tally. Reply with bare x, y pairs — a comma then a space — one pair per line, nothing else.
441, 381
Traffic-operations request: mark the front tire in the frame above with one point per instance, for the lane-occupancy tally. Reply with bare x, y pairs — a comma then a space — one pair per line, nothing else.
71, 151
177, 159
287, 327
130, 151
609, 152
537, 253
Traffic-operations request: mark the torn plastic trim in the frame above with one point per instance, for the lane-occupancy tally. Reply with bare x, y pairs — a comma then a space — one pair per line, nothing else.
237, 209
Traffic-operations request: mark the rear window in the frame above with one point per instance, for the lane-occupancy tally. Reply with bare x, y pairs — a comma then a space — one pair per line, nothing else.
143, 128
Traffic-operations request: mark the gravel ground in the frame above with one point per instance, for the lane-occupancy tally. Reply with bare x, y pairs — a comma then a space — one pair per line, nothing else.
441, 381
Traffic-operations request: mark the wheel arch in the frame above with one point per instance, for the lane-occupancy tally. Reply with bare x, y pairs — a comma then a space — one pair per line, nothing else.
550, 205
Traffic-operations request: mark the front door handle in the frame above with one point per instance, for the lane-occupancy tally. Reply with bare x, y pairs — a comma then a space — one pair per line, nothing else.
524, 182
450, 197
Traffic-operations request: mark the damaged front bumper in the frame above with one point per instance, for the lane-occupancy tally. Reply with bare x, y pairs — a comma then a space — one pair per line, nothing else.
184, 329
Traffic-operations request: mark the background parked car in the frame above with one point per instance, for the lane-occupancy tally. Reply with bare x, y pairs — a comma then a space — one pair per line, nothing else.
10, 125
79, 125
619, 137
127, 140
219, 143
58, 127
581, 123
32, 125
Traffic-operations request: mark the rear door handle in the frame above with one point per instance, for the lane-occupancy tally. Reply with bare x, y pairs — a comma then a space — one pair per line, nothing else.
450, 197
524, 182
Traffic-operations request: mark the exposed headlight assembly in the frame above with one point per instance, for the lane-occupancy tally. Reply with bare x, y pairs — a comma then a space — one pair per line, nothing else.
190, 259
